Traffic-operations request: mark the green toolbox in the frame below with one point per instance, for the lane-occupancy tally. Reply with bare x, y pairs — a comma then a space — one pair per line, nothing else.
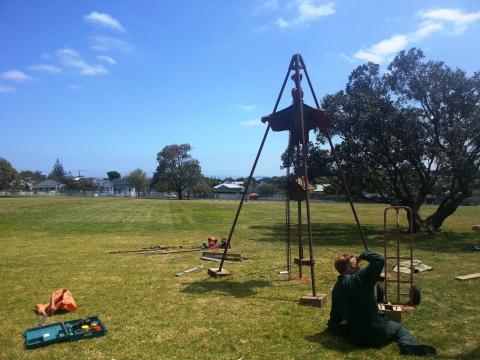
84, 328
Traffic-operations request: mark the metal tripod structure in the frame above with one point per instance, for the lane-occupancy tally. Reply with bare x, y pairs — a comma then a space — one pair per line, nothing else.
298, 119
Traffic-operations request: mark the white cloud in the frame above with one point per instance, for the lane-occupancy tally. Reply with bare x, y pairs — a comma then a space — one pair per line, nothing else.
434, 21
456, 17
107, 59
247, 108
15, 75
106, 43
282, 23
307, 11
426, 30
105, 20
45, 68
368, 56
265, 5
390, 46
6, 89
346, 57
380, 51
71, 58
251, 123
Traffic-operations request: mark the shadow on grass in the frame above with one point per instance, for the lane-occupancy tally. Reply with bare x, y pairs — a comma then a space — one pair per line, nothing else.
336, 343
474, 355
346, 235
233, 288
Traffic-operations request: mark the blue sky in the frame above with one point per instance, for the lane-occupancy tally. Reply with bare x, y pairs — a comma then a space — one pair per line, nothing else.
105, 85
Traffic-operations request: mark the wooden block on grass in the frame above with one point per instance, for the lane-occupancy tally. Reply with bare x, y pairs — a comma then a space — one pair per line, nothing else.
316, 301
393, 312
468, 277
214, 272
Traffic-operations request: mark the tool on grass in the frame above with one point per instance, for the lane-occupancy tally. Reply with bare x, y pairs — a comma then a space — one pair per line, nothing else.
162, 252
151, 248
189, 270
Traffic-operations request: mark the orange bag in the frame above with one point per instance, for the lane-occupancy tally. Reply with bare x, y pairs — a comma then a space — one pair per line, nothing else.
60, 300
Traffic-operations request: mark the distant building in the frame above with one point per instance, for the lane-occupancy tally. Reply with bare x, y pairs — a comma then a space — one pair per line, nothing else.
229, 191
47, 187
122, 188
105, 188
320, 188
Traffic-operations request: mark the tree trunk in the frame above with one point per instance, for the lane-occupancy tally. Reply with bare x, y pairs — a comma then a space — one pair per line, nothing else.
180, 194
446, 208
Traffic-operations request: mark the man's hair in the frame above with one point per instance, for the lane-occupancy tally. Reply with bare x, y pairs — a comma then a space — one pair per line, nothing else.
342, 261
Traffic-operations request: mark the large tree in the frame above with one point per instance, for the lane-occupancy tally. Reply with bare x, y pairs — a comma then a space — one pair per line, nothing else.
57, 173
138, 179
112, 175
411, 133
177, 170
8, 175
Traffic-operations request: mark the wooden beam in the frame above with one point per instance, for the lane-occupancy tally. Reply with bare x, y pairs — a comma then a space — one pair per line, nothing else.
468, 277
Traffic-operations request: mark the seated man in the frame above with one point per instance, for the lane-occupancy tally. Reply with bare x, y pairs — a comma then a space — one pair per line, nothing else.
355, 315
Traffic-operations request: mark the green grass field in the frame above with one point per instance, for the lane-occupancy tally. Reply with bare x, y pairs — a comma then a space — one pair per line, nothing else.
50, 243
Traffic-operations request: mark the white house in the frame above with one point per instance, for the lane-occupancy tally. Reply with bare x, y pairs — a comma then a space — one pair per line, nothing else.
49, 186
229, 190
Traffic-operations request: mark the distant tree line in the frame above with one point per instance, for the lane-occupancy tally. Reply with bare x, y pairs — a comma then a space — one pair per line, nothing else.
404, 136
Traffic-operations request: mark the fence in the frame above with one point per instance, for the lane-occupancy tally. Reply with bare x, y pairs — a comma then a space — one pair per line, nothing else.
320, 198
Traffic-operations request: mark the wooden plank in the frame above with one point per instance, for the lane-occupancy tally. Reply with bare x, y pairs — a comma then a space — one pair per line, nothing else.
162, 252
153, 248
231, 257
468, 277
205, 257
220, 254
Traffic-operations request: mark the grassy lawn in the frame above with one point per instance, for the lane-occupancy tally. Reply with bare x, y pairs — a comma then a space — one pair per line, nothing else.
50, 243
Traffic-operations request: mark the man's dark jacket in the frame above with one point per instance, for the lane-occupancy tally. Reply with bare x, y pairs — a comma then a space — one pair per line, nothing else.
353, 300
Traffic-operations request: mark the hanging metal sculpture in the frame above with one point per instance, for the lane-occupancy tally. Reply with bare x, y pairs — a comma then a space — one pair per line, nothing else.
298, 119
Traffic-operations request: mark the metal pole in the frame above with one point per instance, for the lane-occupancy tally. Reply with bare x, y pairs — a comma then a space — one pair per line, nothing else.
342, 175
397, 218
410, 235
305, 171
287, 209
232, 229
297, 169
385, 244
300, 238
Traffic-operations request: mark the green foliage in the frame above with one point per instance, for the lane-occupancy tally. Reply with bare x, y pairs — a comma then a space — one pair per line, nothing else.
265, 189
58, 173
177, 170
408, 134
53, 242
138, 179
112, 175
81, 184
8, 175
